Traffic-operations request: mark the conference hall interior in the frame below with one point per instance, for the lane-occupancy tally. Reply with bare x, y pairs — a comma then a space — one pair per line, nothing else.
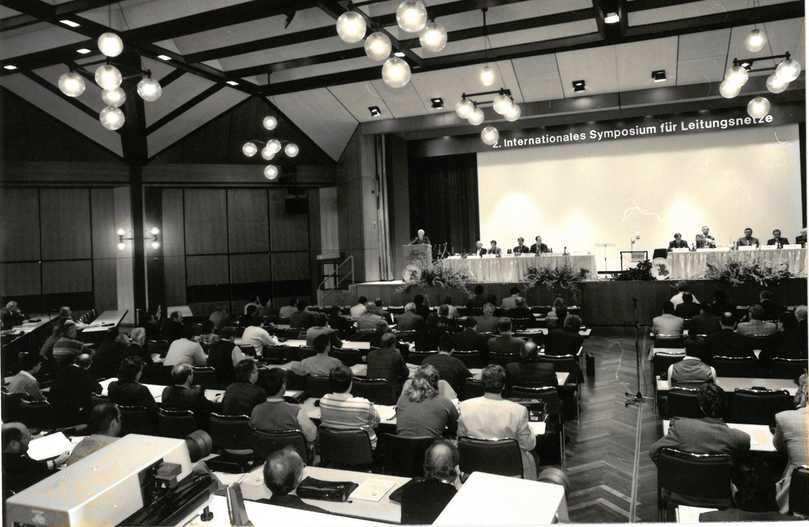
432, 262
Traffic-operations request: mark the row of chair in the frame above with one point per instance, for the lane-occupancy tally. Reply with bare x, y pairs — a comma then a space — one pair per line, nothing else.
751, 406
726, 366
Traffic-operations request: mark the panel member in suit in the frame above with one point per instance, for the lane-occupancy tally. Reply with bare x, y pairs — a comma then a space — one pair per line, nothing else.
792, 438
747, 240
777, 239
480, 250
494, 249
801, 238
25, 381
539, 247
678, 242
521, 247
710, 241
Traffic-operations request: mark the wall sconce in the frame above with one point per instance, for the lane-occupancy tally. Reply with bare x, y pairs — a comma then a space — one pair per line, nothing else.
154, 237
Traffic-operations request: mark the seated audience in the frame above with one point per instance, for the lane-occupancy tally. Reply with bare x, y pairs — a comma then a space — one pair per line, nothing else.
772, 309
427, 337
218, 319
370, 321
173, 328
387, 363
25, 381
409, 320
286, 311
19, 470
137, 344
106, 359
340, 410
359, 308
668, 324
726, 341
677, 299
796, 338
719, 303
268, 310
46, 350
505, 343
556, 316
476, 299
791, 433
241, 396
251, 316
487, 323
451, 369
565, 341
510, 302
67, 348
302, 318
424, 499
320, 326
72, 390
104, 427
184, 395
520, 310
421, 411
258, 337
705, 323
277, 415
12, 315
376, 308
127, 390
687, 308
491, 416
340, 323
756, 326
186, 349
422, 305
445, 389
224, 354
320, 363
690, 370
283, 472
468, 339
529, 371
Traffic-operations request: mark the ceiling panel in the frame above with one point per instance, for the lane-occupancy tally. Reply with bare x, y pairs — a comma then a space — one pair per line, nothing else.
596, 66
132, 14
320, 116
175, 94
453, 48
543, 33
296, 51
782, 36
357, 97
92, 93
324, 69
173, 131
538, 78
36, 37
693, 9
6, 12
637, 60
701, 57
402, 102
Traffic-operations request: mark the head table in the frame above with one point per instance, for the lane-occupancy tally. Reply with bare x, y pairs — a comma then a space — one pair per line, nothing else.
692, 265
510, 268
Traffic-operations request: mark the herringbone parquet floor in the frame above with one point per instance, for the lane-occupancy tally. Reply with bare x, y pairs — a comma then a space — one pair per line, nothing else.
612, 477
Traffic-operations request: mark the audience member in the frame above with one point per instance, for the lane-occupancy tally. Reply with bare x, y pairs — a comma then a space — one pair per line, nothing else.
268, 310
283, 472
445, 389
796, 338
370, 321
277, 415
19, 470
421, 411
424, 499
719, 303
510, 302
492, 416
451, 369
106, 359
521, 310
529, 371
689, 371
340, 410
505, 344
565, 341
387, 363
422, 306
409, 320
137, 344
791, 433
468, 339
756, 326
772, 309
127, 390
668, 324
286, 311
241, 396
556, 316
476, 299
12, 315
25, 381
251, 316
487, 323
359, 308
184, 395
218, 319
186, 350
320, 363
682, 288
259, 338
46, 350
319, 327
173, 328
72, 390
427, 337
104, 427
67, 348
726, 341
705, 323
302, 318
376, 308
687, 308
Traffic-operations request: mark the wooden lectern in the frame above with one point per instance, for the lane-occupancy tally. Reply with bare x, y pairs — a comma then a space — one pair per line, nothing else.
419, 254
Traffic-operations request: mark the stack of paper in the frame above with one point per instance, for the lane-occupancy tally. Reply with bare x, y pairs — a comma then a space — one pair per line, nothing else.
48, 447
372, 489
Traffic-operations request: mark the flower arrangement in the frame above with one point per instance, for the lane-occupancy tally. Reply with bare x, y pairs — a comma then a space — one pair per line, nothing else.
737, 273
434, 274
559, 280
642, 271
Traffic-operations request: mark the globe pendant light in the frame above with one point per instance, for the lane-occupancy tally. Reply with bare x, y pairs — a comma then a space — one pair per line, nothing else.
433, 38
489, 135
108, 77
115, 98
758, 107
755, 41
788, 70
249, 149
267, 153
351, 27
396, 72
737, 75
476, 117
464, 108
110, 44
514, 114
149, 89
728, 90
502, 103
269, 122
72, 84
776, 84
271, 172
274, 146
487, 76
411, 15
291, 150
111, 118
377, 46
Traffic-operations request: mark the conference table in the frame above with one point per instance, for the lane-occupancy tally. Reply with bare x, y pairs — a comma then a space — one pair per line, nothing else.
105, 321
512, 269
215, 396
692, 265
25, 337
761, 438
731, 384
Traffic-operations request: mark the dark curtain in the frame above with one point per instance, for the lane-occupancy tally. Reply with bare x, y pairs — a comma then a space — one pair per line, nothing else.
444, 200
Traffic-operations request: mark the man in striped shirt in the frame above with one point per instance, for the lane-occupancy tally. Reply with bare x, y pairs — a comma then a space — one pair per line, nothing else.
341, 410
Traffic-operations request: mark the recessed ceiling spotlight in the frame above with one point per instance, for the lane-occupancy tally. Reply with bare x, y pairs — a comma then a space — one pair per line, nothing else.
9, 67
437, 103
579, 85
82, 51
164, 57
69, 23
659, 75
232, 83
399, 54
612, 18
375, 111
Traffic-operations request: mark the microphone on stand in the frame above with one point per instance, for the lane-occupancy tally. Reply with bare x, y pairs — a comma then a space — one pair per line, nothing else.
564, 251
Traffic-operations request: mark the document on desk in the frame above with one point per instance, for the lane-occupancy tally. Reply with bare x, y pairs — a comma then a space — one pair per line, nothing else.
386, 413
372, 489
48, 447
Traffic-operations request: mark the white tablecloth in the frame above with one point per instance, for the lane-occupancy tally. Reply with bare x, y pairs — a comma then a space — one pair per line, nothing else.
510, 269
692, 265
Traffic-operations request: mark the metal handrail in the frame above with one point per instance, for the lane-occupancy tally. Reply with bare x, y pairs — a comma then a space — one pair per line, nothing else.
339, 274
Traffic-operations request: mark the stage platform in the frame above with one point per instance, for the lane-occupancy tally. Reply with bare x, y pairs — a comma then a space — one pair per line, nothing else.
603, 302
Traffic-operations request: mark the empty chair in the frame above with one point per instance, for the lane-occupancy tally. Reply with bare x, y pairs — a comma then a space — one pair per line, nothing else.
316, 385
495, 456
347, 449
555, 418
404, 456
735, 366
662, 361
378, 391
758, 407
471, 388
470, 358
205, 376
230, 433
39, 415
568, 363
799, 491
175, 423
685, 478
349, 357
137, 420
417, 357
683, 401
668, 341
265, 443
768, 343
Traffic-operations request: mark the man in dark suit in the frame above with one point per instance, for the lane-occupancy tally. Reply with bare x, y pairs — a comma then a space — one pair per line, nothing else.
424, 499
539, 247
127, 390
387, 363
480, 250
487, 323
184, 395
520, 310
72, 389
468, 339
494, 249
283, 472
565, 340
19, 470
528, 371
409, 320
243, 395
106, 359
422, 306
678, 242
450, 369
301, 318
777, 239
705, 323
505, 344
726, 341
521, 247
801, 238
687, 308
772, 309
747, 240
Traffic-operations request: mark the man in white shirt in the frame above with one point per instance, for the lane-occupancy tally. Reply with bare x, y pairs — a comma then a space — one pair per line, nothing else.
258, 338
358, 309
668, 323
677, 299
184, 350
342, 411
510, 302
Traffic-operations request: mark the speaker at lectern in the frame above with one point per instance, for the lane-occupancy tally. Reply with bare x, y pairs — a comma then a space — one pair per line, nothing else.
416, 254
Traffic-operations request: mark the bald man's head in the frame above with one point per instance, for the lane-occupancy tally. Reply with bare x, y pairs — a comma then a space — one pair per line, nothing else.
283, 471
84, 361
441, 460
530, 350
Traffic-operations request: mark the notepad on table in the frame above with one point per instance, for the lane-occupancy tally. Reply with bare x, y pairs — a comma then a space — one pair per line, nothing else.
372, 489
48, 447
